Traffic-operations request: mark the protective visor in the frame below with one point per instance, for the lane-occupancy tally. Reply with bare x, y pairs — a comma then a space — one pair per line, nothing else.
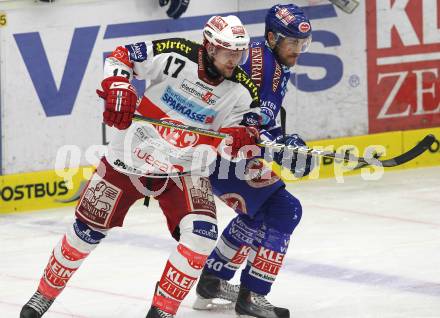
295, 44
235, 57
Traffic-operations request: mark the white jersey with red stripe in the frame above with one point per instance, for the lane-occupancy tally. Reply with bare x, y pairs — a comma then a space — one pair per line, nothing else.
180, 90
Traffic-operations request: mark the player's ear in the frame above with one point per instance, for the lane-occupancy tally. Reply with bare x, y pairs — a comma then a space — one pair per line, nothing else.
271, 39
211, 49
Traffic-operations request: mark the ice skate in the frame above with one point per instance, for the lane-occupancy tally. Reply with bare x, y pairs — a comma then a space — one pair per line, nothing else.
155, 312
253, 305
36, 306
214, 293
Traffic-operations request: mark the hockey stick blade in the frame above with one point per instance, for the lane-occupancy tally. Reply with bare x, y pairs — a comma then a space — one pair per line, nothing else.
414, 152
348, 6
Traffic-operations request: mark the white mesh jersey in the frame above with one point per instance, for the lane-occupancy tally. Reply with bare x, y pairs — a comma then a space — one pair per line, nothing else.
179, 89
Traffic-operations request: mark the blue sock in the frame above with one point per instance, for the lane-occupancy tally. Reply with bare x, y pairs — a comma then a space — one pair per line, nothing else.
233, 247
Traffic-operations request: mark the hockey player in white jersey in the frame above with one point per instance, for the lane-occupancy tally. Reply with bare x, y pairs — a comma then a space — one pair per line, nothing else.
198, 85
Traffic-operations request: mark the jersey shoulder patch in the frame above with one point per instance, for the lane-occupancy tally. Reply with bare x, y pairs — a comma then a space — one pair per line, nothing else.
241, 77
181, 46
137, 52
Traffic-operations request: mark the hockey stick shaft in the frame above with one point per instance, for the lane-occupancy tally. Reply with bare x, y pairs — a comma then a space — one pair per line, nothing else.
392, 162
216, 134
170, 124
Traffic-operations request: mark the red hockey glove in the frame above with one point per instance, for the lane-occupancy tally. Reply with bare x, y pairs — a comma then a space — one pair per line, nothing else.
120, 101
241, 136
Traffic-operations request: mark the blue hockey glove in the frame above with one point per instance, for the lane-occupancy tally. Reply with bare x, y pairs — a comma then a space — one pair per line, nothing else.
177, 7
299, 164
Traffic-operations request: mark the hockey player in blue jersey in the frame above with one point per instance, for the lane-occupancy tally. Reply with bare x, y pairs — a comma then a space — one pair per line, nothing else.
267, 212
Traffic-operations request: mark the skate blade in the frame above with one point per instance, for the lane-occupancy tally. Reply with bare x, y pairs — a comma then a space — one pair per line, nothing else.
216, 304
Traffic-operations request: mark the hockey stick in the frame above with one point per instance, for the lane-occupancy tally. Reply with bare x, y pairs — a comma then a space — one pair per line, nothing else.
283, 115
414, 152
409, 155
170, 124
348, 6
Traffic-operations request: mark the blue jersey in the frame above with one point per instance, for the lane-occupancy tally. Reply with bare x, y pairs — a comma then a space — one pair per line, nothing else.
271, 77
247, 196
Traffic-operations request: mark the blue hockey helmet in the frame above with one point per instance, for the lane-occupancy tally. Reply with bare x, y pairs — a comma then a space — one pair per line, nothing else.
289, 21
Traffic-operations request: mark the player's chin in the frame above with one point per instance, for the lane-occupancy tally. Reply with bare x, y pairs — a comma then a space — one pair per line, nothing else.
290, 61
228, 71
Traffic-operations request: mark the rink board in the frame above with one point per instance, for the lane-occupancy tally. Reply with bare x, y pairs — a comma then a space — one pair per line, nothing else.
50, 189
41, 190
372, 71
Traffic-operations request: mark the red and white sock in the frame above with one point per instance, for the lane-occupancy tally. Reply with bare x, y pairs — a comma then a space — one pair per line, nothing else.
66, 258
181, 273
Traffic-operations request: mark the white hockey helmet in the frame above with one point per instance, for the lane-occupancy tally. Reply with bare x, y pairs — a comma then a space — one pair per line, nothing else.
227, 32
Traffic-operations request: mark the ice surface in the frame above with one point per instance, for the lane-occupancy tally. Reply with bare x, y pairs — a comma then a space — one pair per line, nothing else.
363, 249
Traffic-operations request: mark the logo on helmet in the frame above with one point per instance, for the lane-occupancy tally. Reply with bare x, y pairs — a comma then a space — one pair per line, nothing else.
222, 43
208, 33
304, 27
238, 31
217, 23
285, 16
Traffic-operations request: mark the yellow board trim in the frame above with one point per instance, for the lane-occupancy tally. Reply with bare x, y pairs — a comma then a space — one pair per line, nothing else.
41, 190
